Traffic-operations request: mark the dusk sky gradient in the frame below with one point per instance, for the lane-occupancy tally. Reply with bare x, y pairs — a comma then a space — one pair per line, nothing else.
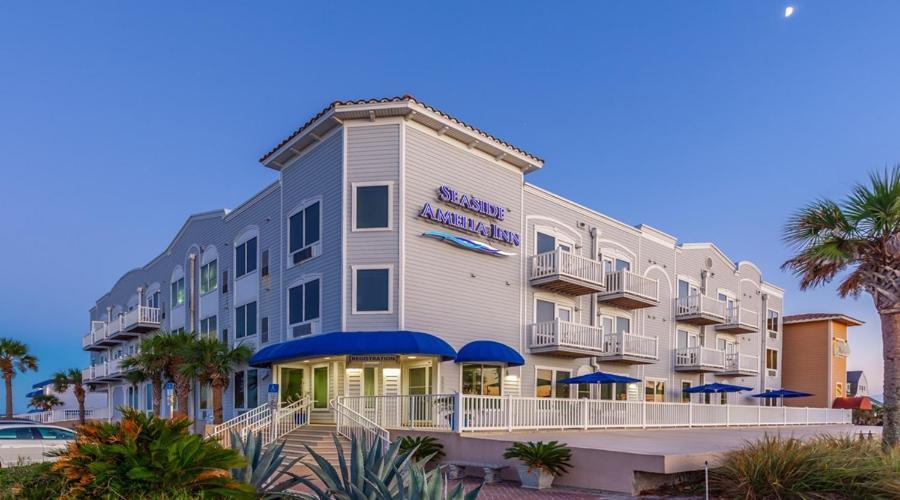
712, 121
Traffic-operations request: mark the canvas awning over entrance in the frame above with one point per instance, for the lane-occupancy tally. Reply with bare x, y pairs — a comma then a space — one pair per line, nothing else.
488, 351
860, 403
399, 342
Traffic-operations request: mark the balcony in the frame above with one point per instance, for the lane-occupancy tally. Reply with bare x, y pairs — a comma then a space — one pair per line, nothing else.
92, 373
698, 309
566, 273
699, 359
565, 339
740, 364
739, 320
142, 319
629, 348
116, 332
628, 290
97, 335
114, 368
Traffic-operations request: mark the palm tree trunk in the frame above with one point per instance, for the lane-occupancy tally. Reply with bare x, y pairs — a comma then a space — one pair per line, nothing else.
157, 396
218, 392
182, 395
7, 379
79, 396
890, 337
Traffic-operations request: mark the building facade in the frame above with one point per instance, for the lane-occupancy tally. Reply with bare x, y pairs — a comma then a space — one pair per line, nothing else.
391, 216
816, 348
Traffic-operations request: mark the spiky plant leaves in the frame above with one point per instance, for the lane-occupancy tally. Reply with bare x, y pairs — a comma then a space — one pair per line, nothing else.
265, 465
554, 457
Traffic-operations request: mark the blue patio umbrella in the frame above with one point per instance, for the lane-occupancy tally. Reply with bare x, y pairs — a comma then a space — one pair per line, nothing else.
599, 378
716, 388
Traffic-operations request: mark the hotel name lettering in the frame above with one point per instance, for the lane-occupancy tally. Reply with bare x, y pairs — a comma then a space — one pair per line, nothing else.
467, 223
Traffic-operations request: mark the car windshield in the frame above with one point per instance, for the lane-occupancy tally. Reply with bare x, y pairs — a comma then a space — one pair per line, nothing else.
16, 433
53, 433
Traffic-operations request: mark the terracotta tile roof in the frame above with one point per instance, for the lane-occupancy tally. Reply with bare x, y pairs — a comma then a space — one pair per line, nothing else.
807, 317
402, 98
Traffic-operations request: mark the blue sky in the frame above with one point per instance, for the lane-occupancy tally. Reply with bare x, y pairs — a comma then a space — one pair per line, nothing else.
709, 120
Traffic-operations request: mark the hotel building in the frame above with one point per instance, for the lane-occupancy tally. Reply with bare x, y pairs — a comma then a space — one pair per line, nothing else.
394, 237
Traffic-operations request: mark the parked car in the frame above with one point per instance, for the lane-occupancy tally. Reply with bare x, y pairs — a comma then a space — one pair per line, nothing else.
22, 443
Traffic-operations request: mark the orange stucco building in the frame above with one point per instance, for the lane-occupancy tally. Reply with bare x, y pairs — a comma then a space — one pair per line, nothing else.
814, 358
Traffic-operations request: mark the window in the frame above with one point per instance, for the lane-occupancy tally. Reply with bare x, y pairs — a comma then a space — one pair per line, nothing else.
372, 290
209, 277
685, 396
245, 320
304, 232
613, 264
723, 398
264, 329
547, 383
303, 308
224, 336
224, 281
545, 310
252, 392
547, 243
772, 360
687, 339
584, 391
208, 327
371, 206
16, 433
178, 292
482, 380
153, 300
265, 264
687, 289
615, 324
239, 389
655, 390
772, 318
245, 258
204, 397
148, 397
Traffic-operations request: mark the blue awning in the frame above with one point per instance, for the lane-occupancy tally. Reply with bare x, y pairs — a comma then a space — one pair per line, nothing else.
42, 384
716, 388
600, 378
34, 393
782, 393
488, 351
354, 343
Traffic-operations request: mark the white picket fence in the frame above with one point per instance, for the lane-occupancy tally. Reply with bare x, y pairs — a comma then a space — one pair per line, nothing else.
62, 415
492, 413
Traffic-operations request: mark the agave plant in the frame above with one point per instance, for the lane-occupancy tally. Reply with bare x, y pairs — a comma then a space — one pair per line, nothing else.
265, 466
372, 472
553, 457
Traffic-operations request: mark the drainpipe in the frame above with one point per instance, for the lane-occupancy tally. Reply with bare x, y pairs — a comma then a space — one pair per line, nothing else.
192, 259
595, 365
762, 342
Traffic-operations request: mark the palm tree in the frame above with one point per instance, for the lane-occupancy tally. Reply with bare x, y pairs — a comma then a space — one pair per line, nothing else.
44, 402
71, 377
14, 357
857, 241
151, 362
212, 363
178, 348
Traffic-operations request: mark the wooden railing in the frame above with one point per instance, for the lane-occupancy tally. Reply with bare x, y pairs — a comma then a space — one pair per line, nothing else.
492, 413
565, 333
699, 304
742, 362
629, 282
142, 315
351, 423
630, 344
697, 357
559, 262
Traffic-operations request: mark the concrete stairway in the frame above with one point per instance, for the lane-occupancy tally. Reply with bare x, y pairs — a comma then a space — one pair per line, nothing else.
316, 436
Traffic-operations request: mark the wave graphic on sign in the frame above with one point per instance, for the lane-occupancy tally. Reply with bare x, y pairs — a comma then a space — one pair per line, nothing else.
459, 241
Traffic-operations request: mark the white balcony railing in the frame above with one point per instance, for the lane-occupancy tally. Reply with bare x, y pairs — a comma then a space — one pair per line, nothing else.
142, 315
630, 345
562, 263
737, 362
67, 414
116, 325
559, 333
699, 357
114, 367
94, 372
629, 282
739, 316
699, 304
420, 411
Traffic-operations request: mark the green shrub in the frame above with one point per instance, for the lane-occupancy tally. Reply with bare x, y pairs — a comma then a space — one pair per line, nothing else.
147, 457
421, 447
36, 481
553, 457
776, 467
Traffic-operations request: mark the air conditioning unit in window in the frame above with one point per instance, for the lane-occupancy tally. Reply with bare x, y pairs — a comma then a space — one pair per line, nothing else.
773, 335
301, 330
773, 373
301, 255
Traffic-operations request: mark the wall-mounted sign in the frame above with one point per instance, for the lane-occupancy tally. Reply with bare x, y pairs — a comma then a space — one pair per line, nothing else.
465, 222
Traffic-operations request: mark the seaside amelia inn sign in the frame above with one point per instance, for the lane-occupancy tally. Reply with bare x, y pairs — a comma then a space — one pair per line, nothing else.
462, 221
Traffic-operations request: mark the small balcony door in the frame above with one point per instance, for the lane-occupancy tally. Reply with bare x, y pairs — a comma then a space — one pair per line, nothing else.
544, 310
548, 243
730, 305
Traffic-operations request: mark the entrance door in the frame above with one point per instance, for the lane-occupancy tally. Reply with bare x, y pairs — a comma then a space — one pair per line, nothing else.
320, 387
291, 386
418, 384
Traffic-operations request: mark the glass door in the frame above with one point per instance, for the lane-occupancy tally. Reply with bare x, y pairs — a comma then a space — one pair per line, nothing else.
291, 386
320, 387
